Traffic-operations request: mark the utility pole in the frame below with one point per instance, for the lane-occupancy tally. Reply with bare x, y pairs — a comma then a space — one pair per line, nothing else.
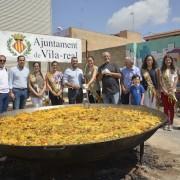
132, 14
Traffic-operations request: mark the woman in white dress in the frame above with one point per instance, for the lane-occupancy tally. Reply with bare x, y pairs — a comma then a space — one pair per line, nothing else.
150, 81
37, 85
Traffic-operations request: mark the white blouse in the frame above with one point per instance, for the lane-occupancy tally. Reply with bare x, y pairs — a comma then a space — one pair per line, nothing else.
4, 87
166, 84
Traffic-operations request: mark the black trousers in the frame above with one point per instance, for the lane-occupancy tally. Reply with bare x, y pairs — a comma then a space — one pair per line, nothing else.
91, 97
75, 96
55, 100
125, 98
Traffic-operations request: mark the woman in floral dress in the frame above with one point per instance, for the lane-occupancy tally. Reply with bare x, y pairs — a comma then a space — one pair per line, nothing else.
54, 83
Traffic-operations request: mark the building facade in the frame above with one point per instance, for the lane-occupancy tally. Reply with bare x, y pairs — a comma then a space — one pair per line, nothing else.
157, 45
30, 16
92, 41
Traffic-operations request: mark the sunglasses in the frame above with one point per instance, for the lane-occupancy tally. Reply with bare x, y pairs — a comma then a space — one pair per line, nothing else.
2, 60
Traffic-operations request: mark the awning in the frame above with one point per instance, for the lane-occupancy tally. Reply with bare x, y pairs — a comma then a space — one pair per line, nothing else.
175, 50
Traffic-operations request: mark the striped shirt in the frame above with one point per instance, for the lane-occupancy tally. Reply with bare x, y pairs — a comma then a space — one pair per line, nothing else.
74, 76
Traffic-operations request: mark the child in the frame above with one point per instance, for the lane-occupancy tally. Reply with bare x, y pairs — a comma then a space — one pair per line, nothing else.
136, 91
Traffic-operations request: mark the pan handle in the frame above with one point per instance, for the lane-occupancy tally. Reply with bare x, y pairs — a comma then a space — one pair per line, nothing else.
54, 148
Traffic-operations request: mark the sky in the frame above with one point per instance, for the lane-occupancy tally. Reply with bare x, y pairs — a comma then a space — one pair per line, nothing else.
112, 16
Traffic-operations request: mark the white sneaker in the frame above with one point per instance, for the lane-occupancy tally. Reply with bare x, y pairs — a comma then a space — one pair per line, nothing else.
170, 128
165, 127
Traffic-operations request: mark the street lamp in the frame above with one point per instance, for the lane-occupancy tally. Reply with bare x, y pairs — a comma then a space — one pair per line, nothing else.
59, 28
60, 31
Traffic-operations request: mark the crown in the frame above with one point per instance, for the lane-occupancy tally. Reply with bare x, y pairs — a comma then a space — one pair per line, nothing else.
18, 37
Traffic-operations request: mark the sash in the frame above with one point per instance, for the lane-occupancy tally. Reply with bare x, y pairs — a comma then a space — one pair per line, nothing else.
56, 87
92, 89
34, 84
166, 80
95, 94
151, 89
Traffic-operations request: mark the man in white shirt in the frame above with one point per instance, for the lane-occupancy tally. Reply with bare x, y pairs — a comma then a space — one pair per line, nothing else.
4, 87
18, 77
73, 79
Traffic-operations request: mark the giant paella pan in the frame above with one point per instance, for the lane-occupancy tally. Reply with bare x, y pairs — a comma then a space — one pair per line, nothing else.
83, 141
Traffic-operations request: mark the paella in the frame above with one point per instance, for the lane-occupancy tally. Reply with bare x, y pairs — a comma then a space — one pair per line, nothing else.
75, 125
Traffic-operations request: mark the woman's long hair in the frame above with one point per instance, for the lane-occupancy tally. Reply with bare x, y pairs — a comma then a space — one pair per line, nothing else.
154, 64
164, 67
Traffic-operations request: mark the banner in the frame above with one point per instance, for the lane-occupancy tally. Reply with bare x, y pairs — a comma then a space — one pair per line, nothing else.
37, 47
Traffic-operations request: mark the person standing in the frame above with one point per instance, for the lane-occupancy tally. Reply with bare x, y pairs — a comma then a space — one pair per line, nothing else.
73, 79
136, 96
18, 81
37, 85
54, 81
150, 81
92, 84
168, 82
4, 87
110, 74
127, 73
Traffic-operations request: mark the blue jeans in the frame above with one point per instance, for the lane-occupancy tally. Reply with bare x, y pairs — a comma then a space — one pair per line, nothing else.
111, 98
4, 98
20, 98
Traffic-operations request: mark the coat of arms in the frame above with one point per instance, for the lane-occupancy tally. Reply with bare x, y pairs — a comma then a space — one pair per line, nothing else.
18, 45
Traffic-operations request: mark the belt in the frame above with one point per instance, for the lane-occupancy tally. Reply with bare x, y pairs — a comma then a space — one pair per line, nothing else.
21, 89
74, 89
